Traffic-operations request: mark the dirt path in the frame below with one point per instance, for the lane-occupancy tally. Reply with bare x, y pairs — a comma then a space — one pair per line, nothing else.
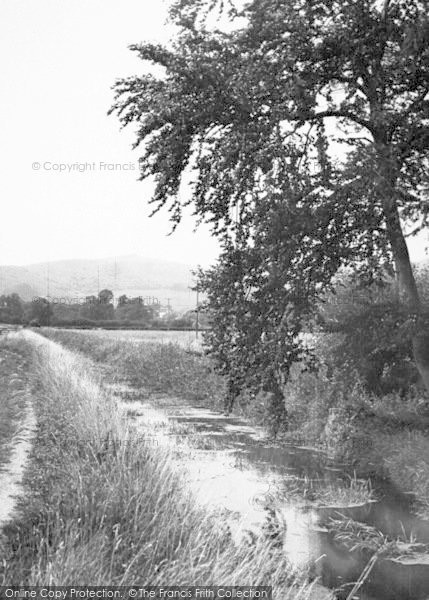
13, 471
17, 426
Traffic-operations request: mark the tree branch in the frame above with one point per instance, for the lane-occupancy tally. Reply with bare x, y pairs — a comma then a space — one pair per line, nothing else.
344, 114
385, 9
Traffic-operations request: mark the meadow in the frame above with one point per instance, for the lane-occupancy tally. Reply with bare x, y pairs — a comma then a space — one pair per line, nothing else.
185, 339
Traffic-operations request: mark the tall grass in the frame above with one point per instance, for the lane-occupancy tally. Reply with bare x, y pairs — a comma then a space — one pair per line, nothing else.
407, 460
103, 506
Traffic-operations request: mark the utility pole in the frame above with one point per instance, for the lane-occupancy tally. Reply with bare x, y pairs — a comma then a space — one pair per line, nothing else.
48, 291
47, 282
197, 320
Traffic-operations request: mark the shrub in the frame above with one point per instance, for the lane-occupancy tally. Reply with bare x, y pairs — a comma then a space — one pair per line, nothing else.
406, 457
368, 332
327, 411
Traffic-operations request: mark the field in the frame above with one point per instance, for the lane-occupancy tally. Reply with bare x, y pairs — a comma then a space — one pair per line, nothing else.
185, 339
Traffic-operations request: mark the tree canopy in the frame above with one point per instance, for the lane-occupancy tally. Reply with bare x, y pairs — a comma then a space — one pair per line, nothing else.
303, 130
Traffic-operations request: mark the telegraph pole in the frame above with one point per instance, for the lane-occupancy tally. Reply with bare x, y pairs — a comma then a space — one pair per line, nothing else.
197, 320
48, 291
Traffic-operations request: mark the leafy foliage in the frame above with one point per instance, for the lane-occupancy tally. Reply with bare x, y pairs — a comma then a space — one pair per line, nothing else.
11, 308
40, 311
232, 106
370, 336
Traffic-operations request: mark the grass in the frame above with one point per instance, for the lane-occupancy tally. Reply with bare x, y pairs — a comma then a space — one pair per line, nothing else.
407, 461
363, 538
352, 493
357, 536
102, 506
322, 494
371, 433
13, 392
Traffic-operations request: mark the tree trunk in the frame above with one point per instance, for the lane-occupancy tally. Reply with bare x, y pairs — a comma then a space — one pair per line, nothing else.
408, 292
277, 413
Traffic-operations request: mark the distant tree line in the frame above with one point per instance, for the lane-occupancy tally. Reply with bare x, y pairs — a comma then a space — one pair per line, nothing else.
91, 311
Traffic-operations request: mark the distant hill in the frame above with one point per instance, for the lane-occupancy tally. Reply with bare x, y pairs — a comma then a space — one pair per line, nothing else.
131, 275
24, 291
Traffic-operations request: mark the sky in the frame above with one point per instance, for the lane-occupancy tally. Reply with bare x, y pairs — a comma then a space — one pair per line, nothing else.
58, 63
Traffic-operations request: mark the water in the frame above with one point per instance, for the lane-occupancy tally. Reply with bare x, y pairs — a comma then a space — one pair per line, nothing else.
233, 467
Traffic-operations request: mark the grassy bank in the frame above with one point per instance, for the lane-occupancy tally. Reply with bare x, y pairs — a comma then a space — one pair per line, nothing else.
102, 505
385, 436
159, 368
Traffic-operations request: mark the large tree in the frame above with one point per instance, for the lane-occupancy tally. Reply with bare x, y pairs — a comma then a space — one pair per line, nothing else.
316, 110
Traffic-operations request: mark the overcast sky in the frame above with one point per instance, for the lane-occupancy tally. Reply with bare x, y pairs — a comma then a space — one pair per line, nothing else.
59, 60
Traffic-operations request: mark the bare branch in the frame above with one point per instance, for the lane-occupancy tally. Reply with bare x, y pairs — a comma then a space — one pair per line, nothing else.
344, 114
385, 9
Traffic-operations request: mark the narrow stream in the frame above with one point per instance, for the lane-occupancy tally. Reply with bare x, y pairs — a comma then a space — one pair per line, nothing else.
233, 466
